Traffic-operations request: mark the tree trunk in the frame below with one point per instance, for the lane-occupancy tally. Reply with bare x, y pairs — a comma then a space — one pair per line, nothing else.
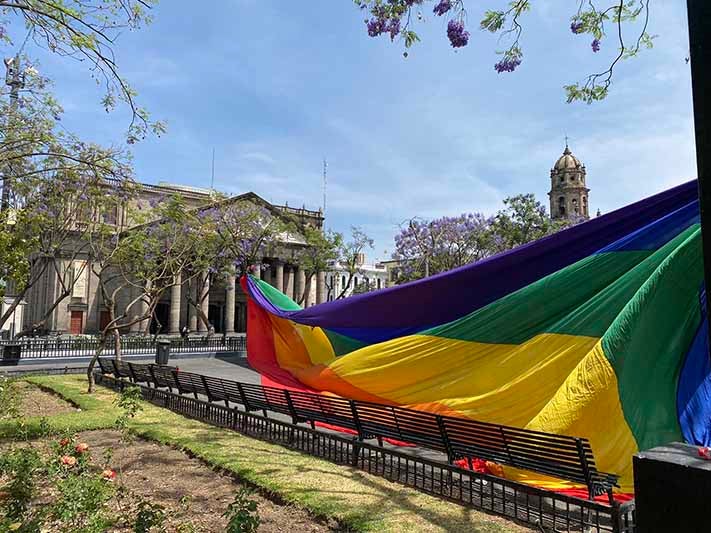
92, 364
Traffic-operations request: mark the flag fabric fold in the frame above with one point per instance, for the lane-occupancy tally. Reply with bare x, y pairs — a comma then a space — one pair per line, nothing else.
596, 331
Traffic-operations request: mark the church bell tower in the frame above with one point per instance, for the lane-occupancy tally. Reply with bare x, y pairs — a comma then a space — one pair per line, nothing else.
569, 194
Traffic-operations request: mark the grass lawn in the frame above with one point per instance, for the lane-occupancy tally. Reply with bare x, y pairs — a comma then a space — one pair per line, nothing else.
355, 499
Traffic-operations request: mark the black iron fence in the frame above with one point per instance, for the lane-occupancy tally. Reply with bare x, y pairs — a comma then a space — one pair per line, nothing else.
548, 510
560, 456
53, 347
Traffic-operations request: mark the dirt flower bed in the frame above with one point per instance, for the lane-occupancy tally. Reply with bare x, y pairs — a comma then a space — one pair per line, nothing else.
109, 480
191, 492
33, 401
141, 475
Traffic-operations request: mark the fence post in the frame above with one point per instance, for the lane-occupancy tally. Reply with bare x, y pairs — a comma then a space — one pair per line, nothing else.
356, 452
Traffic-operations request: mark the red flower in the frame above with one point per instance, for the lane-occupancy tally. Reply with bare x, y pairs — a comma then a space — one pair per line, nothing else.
81, 447
705, 453
68, 460
108, 474
64, 441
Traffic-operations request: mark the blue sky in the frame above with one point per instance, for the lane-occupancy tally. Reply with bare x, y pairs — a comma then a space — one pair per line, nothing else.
276, 86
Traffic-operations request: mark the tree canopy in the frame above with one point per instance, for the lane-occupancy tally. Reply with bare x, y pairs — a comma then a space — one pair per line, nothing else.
427, 247
601, 21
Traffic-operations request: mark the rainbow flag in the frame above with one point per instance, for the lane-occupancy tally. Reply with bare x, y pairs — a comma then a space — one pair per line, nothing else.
597, 331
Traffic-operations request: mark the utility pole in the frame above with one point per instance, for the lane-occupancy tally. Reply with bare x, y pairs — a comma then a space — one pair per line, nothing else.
325, 169
699, 12
212, 178
15, 79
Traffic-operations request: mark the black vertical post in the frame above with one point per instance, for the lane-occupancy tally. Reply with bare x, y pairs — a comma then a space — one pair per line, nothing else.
700, 55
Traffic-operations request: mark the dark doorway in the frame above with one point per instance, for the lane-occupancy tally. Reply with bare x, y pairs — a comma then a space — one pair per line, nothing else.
214, 315
162, 314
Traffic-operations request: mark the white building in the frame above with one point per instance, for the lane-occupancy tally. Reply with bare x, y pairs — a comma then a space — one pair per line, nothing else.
367, 277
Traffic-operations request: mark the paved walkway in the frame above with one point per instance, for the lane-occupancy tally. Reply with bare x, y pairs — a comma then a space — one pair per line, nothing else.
195, 362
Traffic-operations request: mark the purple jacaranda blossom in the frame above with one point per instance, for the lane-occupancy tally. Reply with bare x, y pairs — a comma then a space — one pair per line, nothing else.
394, 28
576, 27
442, 7
595, 45
456, 33
376, 26
508, 64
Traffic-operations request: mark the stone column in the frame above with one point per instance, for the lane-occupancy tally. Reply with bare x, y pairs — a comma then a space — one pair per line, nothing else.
320, 287
230, 305
278, 275
193, 320
267, 273
308, 288
299, 284
289, 282
174, 326
204, 301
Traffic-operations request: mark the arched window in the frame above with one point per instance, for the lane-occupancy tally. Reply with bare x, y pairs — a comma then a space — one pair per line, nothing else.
576, 209
562, 179
343, 281
561, 206
379, 281
585, 205
355, 282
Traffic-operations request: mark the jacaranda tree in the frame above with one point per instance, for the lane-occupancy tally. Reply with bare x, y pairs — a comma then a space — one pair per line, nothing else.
598, 20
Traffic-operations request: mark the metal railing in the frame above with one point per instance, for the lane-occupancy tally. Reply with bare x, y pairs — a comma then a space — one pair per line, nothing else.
550, 510
56, 347
458, 438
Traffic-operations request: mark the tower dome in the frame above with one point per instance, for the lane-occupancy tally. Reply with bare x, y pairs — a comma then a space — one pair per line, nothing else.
569, 193
567, 161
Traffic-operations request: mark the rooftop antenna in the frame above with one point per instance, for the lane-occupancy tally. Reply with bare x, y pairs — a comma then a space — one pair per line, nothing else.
325, 169
212, 180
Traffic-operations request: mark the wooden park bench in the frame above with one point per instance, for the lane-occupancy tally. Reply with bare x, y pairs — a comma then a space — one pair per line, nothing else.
140, 373
558, 456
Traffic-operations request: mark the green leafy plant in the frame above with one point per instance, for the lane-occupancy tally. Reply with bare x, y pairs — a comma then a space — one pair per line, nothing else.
151, 516
130, 404
81, 500
23, 467
242, 514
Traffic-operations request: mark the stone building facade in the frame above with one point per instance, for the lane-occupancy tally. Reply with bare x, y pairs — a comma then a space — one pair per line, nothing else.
368, 277
225, 303
569, 193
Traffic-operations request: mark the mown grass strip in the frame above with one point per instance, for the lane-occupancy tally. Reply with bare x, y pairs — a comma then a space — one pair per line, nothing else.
357, 500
